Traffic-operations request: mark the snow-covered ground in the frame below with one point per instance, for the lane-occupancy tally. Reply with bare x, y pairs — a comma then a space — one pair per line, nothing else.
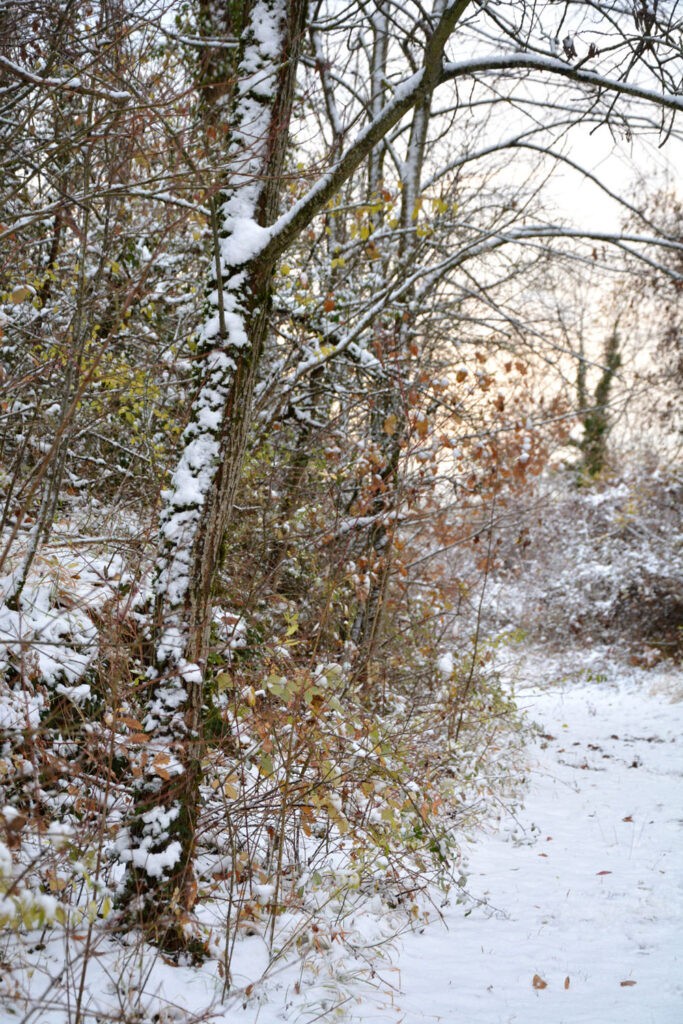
581, 919
575, 911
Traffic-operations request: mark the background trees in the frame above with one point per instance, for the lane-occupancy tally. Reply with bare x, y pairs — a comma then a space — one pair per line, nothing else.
292, 257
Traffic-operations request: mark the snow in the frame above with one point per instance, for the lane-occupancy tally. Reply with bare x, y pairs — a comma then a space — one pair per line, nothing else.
245, 240
156, 864
583, 884
571, 913
445, 665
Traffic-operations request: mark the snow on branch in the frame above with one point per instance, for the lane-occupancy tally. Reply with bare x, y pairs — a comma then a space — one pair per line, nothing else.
73, 84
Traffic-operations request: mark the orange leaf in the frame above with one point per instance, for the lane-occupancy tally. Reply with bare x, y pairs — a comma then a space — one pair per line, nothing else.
422, 426
538, 982
132, 723
566, 982
390, 425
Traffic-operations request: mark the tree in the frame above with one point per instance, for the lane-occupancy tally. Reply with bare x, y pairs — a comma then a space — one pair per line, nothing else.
249, 238
414, 97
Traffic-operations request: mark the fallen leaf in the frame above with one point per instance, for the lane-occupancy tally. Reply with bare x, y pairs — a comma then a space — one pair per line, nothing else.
538, 982
628, 817
627, 984
603, 872
566, 982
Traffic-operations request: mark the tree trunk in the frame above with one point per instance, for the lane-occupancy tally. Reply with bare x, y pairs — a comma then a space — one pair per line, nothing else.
198, 505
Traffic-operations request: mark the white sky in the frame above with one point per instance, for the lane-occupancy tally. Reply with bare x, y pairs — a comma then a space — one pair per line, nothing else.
618, 164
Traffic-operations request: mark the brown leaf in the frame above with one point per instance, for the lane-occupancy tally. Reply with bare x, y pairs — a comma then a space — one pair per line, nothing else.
627, 984
422, 427
603, 872
132, 723
20, 293
538, 982
629, 817
566, 982
390, 425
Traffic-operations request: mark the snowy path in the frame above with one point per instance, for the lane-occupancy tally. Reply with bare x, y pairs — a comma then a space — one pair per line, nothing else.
586, 884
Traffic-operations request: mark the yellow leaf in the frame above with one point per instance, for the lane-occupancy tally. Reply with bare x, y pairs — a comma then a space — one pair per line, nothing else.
230, 790
390, 424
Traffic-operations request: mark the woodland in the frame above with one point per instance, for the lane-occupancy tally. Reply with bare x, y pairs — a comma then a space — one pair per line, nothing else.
314, 402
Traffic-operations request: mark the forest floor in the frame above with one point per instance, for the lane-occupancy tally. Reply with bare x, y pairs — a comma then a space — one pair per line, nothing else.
573, 905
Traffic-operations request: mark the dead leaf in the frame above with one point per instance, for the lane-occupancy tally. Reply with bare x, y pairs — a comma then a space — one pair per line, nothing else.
20, 293
628, 817
566, 982
603, 872
627, 984
422, 427
132, 723
538, 982
390, 424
